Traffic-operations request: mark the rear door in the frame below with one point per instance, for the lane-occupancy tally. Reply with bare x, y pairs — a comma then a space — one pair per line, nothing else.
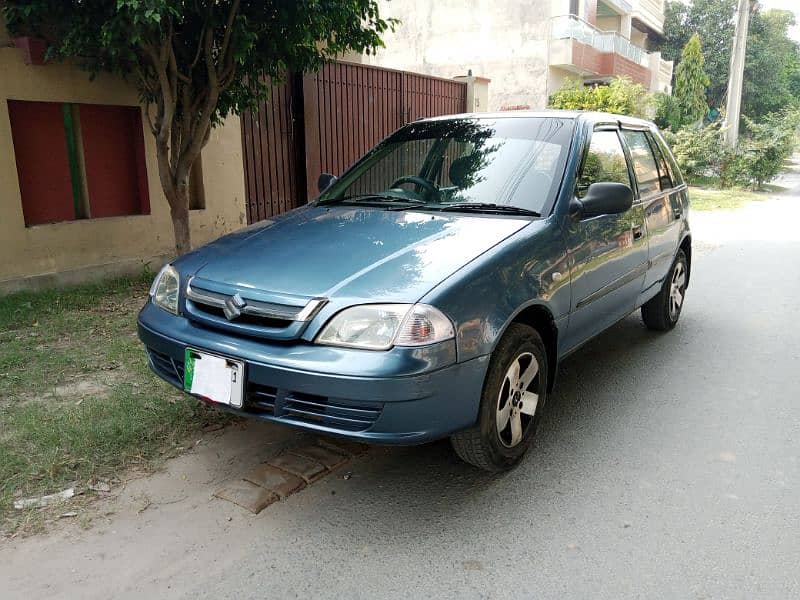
608, 253
661, 203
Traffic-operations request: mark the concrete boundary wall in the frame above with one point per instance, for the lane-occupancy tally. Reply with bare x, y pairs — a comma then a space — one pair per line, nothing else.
69, 252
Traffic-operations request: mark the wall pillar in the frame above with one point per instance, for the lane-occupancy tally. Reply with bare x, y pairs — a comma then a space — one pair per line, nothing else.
477, 92
591, 12
625, 26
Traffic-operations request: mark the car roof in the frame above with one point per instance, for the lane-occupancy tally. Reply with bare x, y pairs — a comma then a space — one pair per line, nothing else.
590, 116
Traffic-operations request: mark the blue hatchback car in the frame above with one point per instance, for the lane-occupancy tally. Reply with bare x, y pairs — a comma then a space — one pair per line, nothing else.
432, 289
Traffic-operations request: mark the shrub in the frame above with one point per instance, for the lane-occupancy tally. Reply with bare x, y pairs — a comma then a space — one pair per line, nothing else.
700, 151
667, 116
758, 159
763, 149
733, 169
621, 96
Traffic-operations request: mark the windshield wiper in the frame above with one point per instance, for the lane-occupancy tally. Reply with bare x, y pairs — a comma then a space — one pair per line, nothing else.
409, 206
381, 197
489, 208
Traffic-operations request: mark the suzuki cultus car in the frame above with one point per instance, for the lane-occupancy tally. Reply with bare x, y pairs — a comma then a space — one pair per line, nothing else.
432, 289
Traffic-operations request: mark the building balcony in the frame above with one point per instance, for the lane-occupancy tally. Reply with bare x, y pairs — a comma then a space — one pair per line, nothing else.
622, 6
577, 46
649, 15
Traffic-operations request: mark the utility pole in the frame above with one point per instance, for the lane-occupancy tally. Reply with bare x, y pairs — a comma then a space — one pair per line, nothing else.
734, 106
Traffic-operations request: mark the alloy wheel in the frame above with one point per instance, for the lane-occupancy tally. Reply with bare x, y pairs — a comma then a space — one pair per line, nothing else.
518, 399
677, 289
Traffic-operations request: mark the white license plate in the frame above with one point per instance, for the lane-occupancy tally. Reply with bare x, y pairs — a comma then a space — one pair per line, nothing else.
214, 378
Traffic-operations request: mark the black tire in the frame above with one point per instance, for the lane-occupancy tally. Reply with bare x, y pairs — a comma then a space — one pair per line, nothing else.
486, 445
659, 313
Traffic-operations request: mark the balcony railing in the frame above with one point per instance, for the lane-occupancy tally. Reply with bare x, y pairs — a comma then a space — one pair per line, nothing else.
572, 27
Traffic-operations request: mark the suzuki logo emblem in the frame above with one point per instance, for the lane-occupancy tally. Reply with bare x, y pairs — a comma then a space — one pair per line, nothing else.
233, 307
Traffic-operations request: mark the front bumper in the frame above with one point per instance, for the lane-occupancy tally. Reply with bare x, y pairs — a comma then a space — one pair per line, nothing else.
338, 391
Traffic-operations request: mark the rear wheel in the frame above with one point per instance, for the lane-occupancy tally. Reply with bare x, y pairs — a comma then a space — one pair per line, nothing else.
513, 396
662, 312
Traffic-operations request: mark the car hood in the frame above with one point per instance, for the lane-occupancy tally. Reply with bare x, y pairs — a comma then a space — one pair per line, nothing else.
358, 252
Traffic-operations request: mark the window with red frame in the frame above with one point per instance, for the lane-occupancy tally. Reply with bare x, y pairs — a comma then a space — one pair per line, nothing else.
78, 161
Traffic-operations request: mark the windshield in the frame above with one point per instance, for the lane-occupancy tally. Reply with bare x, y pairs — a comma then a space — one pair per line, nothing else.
506, 162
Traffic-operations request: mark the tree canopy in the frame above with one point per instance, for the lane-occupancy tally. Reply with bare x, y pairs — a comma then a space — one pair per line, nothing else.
713, 22
690, 84
772, 61
196, 61
772, 64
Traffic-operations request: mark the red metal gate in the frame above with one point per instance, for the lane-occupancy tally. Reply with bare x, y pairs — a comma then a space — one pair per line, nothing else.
331, 117
270, 150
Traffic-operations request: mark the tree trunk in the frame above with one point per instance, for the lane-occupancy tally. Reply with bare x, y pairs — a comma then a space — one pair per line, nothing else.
179, 211
176, 190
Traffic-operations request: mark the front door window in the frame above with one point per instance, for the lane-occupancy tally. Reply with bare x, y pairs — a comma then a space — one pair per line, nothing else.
605, 161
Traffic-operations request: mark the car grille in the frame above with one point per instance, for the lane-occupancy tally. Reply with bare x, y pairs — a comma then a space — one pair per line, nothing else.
308, 408
244, 315
261, 399
166, 366
318, 409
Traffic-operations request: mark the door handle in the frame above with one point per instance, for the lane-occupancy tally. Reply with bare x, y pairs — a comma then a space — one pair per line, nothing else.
678, 214
637, 232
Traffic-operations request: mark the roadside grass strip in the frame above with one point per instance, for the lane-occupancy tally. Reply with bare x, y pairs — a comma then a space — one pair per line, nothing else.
728, 199
78, 403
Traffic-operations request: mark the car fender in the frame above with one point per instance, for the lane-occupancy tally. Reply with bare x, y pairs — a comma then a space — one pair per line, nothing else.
528, 269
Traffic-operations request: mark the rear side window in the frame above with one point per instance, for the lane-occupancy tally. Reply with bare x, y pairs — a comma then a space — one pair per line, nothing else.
665, 177
644, 164
675, 172
605, 161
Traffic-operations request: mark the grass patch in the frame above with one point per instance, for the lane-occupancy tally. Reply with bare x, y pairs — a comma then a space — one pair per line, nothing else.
715, 199
705, 194
77, 400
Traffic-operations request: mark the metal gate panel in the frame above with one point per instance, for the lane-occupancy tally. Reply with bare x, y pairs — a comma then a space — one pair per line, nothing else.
269, 152
323, 122
348, 109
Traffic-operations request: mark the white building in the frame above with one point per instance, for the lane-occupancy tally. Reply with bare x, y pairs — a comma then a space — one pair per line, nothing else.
527, 48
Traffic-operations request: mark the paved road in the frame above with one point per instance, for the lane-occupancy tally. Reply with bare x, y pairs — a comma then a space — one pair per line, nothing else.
667, 466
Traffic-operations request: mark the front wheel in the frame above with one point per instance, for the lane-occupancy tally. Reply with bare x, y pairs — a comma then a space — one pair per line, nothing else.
513, 396
662, 311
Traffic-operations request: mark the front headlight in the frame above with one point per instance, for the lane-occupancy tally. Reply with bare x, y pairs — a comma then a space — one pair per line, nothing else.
381, 326
164, 291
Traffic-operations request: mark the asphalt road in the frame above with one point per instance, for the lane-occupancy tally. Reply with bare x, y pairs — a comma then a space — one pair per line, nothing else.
666, 467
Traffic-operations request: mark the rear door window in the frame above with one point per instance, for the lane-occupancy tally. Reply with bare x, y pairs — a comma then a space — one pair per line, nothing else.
605, 161
674, 171
665, 176
644, 163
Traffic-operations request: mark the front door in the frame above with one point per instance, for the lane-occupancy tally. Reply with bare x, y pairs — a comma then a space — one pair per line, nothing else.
608, 253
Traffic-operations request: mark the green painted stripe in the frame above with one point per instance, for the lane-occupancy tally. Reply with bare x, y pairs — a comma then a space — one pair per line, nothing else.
72, 157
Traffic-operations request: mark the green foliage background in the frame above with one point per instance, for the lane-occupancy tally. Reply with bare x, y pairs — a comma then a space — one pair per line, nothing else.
759, 158
772, 61
712, 21
621, 97
690, 85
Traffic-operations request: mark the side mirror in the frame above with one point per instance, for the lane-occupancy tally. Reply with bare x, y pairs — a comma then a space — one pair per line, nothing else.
325, 181
602, 198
